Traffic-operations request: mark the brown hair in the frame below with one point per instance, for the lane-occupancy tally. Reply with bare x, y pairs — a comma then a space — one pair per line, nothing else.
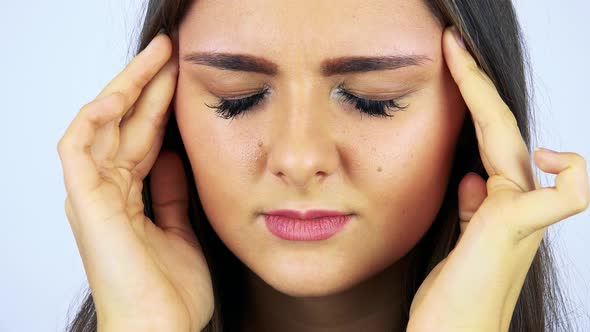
492, 33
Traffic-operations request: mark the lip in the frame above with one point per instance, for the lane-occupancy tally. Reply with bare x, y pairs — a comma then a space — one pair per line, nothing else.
315, 226
309, 214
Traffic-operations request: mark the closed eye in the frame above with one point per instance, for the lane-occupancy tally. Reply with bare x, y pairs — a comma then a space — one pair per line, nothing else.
230, 108
372, 107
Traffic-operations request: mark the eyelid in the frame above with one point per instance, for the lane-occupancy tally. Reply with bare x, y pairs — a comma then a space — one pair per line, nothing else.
371, 97
386, 96
265, 90
240, 96
245, 93
257, 95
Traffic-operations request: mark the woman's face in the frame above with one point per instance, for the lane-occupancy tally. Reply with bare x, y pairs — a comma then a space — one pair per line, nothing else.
305, 147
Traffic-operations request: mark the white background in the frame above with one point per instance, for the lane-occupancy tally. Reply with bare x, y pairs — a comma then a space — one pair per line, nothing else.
57, 55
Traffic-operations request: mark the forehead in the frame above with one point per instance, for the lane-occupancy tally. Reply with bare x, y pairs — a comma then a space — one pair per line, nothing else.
310, 29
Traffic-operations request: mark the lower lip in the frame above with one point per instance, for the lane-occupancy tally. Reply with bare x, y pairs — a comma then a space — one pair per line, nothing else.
305, 230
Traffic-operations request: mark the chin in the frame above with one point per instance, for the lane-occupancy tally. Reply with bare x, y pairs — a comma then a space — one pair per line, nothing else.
310, 280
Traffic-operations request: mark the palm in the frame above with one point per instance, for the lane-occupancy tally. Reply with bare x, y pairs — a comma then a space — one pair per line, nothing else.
491, 257
441, 298
159, 270
176, 276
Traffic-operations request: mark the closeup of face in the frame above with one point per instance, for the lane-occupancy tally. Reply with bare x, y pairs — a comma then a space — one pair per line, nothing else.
303, 146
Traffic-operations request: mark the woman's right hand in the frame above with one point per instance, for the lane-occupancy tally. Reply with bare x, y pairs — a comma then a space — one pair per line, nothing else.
143, 275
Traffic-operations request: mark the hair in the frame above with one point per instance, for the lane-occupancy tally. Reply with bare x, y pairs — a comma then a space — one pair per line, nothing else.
493, 35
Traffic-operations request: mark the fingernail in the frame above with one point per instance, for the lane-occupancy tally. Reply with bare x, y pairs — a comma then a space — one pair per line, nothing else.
458, 36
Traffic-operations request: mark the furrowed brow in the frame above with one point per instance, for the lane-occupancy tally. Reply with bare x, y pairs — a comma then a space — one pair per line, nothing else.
329, 67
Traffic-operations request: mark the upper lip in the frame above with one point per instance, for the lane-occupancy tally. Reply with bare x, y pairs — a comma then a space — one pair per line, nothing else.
309, 214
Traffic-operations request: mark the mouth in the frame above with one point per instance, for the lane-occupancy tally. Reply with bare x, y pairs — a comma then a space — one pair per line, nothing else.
306, 215
312, 225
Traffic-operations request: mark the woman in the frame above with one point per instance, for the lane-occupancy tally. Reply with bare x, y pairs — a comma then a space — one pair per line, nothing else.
439, 219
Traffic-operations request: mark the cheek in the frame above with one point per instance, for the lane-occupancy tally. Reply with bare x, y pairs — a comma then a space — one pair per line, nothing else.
215, 151
407, 170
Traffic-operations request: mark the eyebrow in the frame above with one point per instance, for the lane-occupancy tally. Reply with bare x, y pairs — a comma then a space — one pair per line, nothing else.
329, 67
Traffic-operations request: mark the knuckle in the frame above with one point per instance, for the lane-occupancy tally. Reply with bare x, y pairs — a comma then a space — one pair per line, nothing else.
86, 107
137, 84
87, 113
63, 145
59, 146
93, 118
140, 79
581, 202
579, 160
118, 99
97, 116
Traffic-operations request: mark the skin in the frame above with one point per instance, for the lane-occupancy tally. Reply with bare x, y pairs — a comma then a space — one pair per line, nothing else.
474, 288
302, 148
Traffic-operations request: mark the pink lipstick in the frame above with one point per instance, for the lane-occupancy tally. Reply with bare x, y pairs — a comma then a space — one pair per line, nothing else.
312, 225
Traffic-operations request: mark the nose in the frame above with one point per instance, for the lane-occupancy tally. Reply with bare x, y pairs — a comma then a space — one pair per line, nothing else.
302, 150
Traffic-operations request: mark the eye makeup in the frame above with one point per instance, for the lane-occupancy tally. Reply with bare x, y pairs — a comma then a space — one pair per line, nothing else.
231, 108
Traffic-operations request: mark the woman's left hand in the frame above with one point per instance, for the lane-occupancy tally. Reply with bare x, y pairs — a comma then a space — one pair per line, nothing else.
503, 220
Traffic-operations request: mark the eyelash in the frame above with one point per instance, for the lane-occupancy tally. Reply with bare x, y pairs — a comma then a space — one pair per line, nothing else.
230, 108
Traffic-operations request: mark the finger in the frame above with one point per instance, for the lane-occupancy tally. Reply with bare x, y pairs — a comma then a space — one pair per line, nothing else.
472, 192
141, 70
502, 148
135, 203
169, 192
81, 174
138, 132
130, 82
144, 167
570, 195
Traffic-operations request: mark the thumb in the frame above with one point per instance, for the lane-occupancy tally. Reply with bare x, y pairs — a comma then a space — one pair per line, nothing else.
472, 192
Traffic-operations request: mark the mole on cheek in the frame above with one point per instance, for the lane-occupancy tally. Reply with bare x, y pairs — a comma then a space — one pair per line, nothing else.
260, 154
379, 169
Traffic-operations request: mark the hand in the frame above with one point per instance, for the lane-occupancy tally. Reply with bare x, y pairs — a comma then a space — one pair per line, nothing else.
142, 274
503, 220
